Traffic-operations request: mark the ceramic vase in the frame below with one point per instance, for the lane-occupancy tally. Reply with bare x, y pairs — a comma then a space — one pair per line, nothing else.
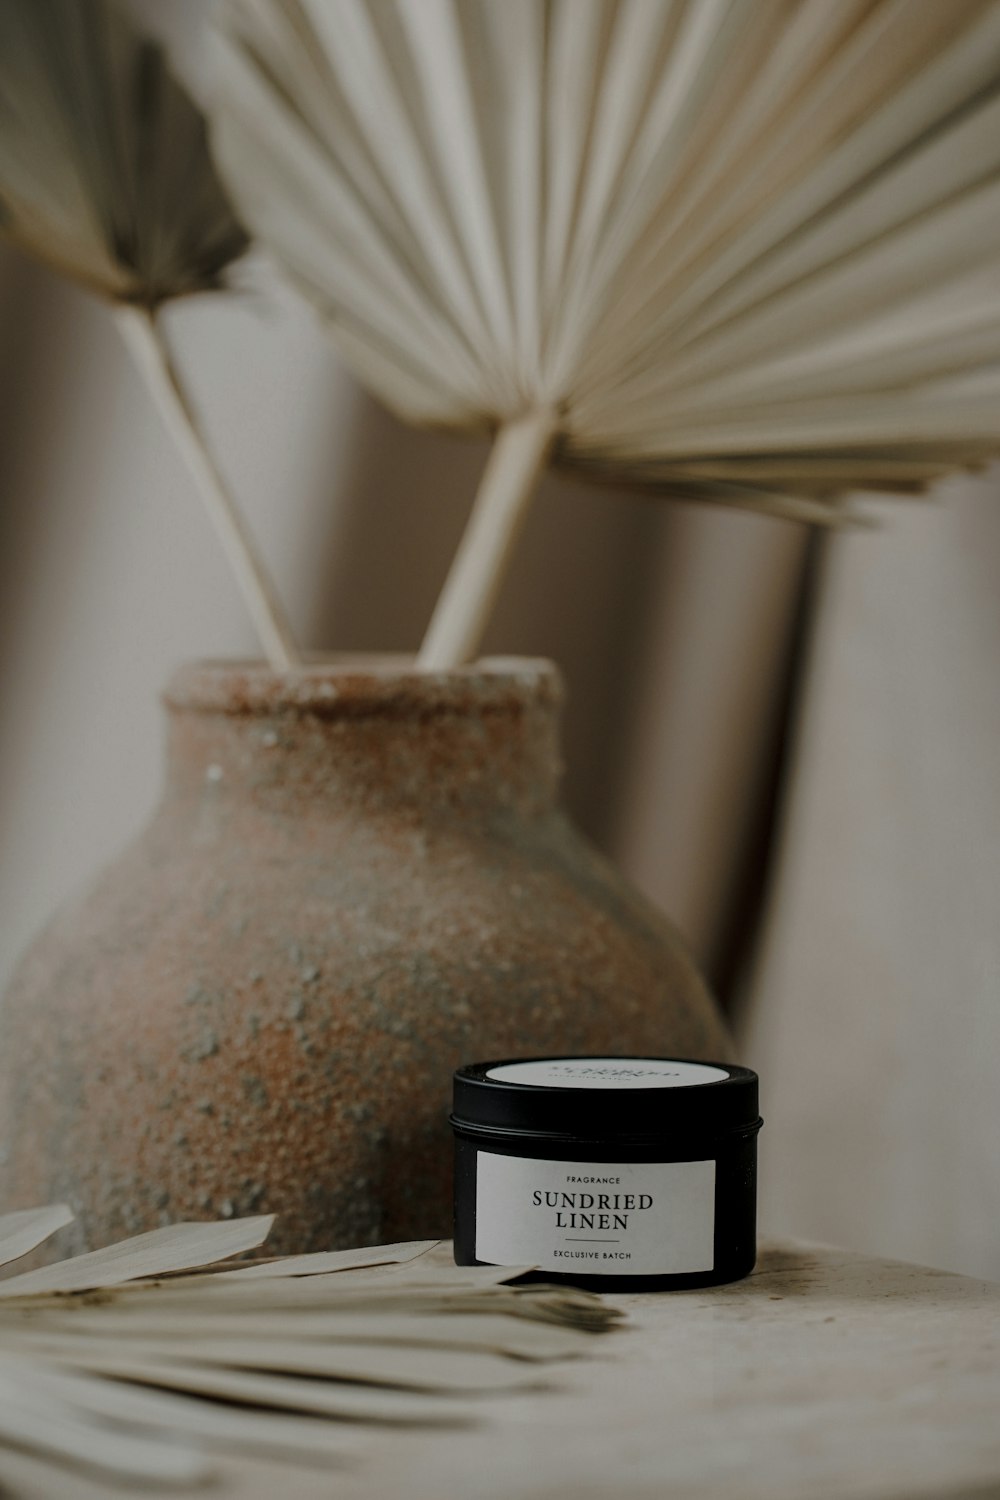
358, 878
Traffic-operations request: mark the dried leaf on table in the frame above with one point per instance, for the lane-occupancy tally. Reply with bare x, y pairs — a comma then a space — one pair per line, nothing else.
24, 1231
143, 1361
177, 1247
321, 1262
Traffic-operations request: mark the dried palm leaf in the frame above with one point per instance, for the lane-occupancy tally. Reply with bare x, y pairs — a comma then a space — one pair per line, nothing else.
22, 1232
743, 253
141, 1361
106, 176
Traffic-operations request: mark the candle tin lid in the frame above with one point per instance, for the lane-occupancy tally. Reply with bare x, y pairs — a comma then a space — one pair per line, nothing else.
591, 1098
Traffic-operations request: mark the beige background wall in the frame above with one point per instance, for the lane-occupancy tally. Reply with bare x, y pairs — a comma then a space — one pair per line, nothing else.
840, 881
875, 1006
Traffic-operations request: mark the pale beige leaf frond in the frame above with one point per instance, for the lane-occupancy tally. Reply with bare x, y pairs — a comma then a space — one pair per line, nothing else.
452, 1371
105, 175
638, 237
411, 1327
140, 1364
34, 1416
27, 1228
160, 1252
693, 228
104, 167
211, 1425
325, 1262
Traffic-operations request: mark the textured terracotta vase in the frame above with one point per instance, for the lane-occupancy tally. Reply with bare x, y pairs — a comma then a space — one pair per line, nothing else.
358, 879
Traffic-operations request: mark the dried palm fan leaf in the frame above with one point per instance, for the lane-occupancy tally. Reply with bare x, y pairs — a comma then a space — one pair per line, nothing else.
741, 253
105, 175
141, 1361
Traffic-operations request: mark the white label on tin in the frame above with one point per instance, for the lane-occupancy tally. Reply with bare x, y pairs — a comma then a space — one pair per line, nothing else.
596, 1218
608, 1073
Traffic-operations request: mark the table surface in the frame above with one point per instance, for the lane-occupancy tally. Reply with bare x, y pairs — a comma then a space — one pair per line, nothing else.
826, 1374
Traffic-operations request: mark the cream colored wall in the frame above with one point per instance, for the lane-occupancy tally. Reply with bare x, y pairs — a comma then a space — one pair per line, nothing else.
874, 1014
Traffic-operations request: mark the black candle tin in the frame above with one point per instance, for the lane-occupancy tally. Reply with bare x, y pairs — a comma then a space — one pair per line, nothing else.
626, 1173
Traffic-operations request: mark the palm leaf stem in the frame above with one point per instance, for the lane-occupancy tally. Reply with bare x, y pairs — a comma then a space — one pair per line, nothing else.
146, 342
498, 514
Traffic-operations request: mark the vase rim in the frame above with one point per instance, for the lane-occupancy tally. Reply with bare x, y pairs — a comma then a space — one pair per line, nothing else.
354, 684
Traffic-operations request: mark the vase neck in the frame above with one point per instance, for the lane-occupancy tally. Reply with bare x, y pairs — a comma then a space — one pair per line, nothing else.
344, 741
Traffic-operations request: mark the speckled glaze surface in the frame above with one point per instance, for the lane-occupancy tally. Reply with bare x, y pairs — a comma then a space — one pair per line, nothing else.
357, 879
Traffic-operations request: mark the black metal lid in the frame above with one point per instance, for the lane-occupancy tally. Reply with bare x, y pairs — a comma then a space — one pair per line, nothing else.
598, 1097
